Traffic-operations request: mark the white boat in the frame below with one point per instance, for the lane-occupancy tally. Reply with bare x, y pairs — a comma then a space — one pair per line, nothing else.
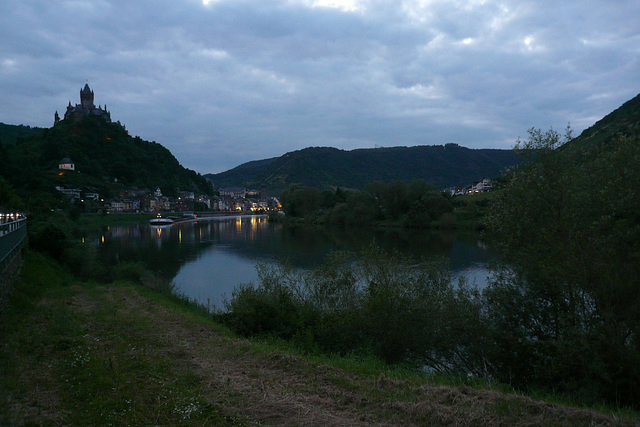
161, 221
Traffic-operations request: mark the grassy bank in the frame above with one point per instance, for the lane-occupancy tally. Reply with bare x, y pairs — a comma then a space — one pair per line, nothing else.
77, 352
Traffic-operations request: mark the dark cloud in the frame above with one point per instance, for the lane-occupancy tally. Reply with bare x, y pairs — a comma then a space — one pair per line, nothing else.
231, 81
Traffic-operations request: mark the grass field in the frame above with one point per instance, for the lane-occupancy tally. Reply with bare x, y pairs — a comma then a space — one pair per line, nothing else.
83, 353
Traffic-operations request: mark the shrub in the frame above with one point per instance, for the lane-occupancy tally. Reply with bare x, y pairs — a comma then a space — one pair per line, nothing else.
399, 310
564, 315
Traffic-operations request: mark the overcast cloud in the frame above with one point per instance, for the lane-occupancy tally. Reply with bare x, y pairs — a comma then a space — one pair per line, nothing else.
223, 82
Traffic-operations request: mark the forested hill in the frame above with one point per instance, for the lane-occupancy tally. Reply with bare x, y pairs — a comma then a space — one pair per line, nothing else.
9, 133
623, 121
106, 158
444, 166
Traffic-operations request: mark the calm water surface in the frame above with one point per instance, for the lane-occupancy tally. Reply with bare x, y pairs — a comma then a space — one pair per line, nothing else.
208, 258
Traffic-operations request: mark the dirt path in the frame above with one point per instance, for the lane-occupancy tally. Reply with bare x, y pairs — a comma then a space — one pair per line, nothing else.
278, 389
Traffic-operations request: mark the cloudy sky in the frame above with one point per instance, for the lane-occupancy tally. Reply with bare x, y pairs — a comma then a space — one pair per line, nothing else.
223, 82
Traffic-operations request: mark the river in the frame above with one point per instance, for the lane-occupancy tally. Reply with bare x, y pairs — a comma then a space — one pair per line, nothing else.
207, 258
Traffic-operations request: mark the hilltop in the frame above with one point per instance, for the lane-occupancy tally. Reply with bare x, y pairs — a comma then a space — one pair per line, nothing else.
106, 160
447, 165
85, 153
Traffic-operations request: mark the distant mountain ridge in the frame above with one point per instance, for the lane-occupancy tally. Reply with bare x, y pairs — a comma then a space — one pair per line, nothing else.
447, 165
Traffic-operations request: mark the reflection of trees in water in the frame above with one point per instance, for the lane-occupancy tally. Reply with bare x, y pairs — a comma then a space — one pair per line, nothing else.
166, 249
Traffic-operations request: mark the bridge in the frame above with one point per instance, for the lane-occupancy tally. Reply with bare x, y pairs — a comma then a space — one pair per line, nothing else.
13, 235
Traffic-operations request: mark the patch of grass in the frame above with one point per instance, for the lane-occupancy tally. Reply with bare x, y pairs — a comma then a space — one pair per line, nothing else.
69, 355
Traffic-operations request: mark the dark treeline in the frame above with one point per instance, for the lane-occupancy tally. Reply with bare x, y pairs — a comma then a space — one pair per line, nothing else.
416, 204
562, 315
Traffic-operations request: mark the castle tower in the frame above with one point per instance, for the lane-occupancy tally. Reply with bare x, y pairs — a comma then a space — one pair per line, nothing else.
86, 108
86, 98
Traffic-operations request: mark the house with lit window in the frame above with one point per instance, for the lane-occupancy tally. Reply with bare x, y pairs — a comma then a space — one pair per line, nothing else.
66, 164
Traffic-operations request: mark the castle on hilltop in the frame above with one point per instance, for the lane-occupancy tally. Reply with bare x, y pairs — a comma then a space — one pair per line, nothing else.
85, 108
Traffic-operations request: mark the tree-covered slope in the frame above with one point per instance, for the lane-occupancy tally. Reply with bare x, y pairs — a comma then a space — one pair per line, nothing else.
106, 157
444, 166
9, 133
623, 121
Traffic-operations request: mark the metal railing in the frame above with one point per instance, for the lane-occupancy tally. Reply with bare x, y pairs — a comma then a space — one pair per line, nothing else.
13, 234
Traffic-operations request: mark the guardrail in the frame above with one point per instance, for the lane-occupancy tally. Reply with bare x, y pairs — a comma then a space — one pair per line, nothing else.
13, 235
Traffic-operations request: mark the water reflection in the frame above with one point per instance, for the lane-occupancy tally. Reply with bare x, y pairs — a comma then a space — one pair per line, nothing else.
207, 258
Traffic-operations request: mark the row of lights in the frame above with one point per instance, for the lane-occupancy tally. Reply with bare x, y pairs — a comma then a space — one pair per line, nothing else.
12, 216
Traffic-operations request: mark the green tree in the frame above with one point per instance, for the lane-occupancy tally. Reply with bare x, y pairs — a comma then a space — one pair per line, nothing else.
8, 197
424, 204
301, 201
565, 313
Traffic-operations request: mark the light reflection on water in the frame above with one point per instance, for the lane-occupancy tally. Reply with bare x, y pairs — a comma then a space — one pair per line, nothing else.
208, 258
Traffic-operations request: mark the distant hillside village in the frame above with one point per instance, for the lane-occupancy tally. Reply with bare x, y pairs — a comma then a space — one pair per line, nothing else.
482, 186
229, 200
138, 201
135, 200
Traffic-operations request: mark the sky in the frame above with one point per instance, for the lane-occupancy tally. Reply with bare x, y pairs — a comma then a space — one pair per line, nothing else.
224, 82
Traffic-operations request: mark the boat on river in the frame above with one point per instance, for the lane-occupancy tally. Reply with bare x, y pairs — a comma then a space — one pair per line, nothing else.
159, 220
163, 220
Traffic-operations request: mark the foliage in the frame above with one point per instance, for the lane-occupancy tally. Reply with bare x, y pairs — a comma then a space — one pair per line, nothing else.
381, 303
323, 167
564, 315
416, 204
622, 122
561, 315
49, 234
8, 197
9, 133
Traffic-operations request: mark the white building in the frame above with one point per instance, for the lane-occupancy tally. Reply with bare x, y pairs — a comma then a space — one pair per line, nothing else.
66, 164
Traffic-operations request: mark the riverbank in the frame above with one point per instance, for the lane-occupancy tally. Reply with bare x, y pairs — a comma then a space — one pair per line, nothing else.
75, 352
468, 214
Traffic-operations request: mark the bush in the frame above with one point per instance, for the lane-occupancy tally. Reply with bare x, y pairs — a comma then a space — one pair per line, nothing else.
564, 315
130, 270
49, 235
269, 309
381, 303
